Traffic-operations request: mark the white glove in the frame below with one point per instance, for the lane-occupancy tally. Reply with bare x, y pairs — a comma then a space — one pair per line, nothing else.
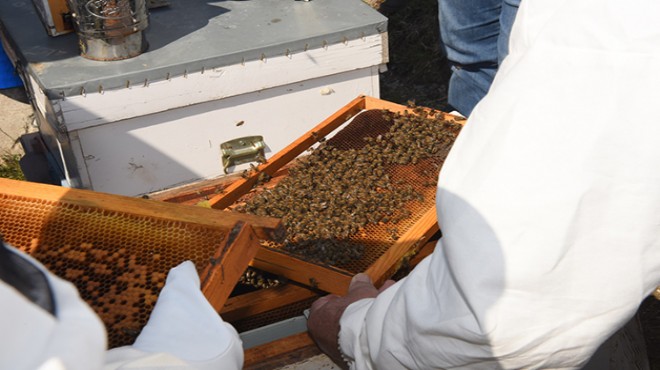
183, 331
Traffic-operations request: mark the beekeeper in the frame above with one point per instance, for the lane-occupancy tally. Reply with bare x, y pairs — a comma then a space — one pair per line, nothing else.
46, 326
549, 204
475, 39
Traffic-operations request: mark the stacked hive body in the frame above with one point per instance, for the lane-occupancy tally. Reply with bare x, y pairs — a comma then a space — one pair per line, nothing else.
118, 250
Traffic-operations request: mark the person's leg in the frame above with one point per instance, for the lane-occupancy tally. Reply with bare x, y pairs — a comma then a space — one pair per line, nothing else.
507, 16
470, 32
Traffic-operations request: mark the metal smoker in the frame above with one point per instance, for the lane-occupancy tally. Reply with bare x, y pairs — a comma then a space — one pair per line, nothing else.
110, 29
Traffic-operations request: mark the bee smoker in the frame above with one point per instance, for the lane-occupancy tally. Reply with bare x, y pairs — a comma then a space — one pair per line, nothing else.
110, 29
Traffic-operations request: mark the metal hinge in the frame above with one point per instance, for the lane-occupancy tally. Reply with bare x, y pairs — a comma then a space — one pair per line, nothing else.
242, 150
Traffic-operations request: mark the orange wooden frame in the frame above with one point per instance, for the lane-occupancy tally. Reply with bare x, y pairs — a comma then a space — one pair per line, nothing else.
318, 276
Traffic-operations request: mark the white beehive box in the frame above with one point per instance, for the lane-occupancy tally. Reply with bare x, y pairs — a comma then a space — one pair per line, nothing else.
214, 71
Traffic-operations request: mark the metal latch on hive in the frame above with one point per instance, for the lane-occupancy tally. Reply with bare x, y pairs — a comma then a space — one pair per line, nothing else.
242, 150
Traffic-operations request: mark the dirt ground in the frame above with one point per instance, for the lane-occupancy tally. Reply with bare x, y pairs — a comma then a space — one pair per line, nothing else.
15, 119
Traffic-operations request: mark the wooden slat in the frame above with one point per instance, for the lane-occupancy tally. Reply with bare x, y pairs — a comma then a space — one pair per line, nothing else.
205, 189
228, 264
263, 300
424, 252
323, 277
279, 353
410, 242
137, 206
195, 192
375, 103
286, 155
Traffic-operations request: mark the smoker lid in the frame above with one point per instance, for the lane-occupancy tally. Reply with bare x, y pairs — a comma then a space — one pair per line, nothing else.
186, 37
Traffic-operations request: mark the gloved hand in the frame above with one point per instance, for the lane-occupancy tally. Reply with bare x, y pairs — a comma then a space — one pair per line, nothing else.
324, 315
183, 329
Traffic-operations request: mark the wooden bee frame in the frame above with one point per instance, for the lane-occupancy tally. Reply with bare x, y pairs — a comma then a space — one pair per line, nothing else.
118, 250
318, 276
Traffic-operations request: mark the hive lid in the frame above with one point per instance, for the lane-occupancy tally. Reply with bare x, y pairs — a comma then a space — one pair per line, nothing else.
187, 36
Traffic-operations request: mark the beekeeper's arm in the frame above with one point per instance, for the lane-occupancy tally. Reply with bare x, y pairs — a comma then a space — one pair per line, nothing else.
549, 204
44, 323
47, 326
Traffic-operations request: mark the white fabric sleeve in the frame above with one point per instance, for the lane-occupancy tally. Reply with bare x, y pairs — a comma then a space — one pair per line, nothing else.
32, 338
549, 204
183, 330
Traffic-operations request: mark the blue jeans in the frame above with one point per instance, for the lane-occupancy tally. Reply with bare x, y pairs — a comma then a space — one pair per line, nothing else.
475, 34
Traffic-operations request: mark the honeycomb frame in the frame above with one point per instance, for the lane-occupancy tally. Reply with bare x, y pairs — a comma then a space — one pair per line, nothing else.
118, 250
385, 251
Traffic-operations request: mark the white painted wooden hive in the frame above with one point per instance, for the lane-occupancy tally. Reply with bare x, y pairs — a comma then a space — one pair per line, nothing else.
213, 72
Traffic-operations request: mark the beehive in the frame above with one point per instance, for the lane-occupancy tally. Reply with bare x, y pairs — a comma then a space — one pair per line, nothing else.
118, 250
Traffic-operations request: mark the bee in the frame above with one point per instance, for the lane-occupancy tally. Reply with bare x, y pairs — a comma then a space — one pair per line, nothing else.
240, 123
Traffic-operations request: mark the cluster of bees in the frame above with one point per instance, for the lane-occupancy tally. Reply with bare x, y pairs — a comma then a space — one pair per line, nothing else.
331, 194
258, 279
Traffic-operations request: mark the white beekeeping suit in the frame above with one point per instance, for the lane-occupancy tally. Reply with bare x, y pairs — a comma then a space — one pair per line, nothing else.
549, 204
183, 332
